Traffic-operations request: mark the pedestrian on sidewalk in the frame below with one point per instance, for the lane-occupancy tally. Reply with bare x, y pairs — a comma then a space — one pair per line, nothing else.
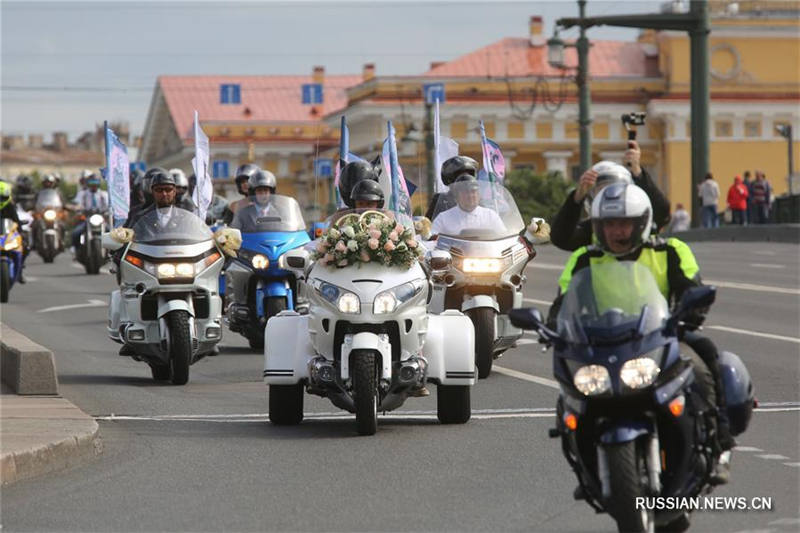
709, 196
748, 182
737, 201
761, 196
680, 220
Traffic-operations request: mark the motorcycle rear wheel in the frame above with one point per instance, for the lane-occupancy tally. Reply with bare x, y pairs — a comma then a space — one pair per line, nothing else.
453, 404
286, 404
627, 474
364, 371
5, 282
483, 320
180, 346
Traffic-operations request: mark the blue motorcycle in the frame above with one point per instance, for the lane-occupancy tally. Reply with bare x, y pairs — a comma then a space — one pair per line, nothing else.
11, 253
257, 283
636, 417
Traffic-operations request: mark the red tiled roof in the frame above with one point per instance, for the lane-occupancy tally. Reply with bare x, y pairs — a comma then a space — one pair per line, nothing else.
268, 98
516, 57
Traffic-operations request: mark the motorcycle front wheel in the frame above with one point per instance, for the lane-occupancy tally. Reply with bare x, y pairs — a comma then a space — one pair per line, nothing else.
628, 476
483, 318
180, 346
364, 371
94, 256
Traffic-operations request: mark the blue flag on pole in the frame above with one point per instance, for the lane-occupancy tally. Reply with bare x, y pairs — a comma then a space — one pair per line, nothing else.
117, 176
399, 198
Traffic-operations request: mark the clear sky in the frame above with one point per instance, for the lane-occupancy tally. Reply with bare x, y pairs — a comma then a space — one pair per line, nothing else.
70, 65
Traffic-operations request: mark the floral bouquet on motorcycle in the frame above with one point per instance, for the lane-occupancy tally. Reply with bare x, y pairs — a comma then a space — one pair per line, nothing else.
369, 237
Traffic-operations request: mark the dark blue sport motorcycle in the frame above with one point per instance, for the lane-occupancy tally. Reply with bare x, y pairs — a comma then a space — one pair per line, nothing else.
257, 283
11, 253
636, 416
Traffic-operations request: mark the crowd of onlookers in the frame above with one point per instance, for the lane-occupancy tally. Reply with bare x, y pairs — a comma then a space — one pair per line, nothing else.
748, 202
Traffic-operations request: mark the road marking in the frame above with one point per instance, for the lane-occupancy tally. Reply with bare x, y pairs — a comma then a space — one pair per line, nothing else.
526, 377
544, 266
103, 270
747, 449
773, 456
751, 287
91, 303
778, 410
535, 301
525, 342
755, 333
766, 265
796, 465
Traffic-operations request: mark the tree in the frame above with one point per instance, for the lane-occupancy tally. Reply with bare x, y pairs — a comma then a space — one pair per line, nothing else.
537, 195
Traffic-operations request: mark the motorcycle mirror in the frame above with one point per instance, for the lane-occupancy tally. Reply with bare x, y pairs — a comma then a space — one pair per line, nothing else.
297, 260
526, 318
439, 260
697, 297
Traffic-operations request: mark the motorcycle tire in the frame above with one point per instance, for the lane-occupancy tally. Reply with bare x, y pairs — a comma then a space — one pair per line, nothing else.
5, 282
180, 346
272, 306
453, 404
286, 404
94, 257
364, 371
49, 249
161, 372
483, 319
627, 473
679, 525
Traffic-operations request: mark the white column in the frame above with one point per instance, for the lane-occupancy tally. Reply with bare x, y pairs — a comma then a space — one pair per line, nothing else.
612, 155
557, 161
283, 167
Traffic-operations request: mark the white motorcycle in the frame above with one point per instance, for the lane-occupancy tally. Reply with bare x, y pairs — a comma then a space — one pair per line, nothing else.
367, 341
167, 310
482, 268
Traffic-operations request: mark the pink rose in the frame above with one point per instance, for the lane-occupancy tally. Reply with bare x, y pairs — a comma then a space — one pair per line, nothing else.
393, 236
373, 244
375, 233
341, 246
389, 246
322, 247
399, 228
342, 263
364, 256
412, 243
328, 258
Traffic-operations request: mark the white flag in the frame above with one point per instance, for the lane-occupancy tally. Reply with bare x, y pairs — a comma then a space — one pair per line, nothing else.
444, 149
203, 191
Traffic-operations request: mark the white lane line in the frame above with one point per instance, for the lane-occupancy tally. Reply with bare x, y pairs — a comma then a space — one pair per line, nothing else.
747, 449
751, 287
103, 270
544, 266
535, 301
91, 303
754, 333
526, 377
525, 342
796, 465
766, 265
776, 410
773, 457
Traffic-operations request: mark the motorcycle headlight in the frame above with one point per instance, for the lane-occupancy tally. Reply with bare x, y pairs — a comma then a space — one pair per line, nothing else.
640, 372
50, 215
173, 270
96, 220
482, 265
259, 262
345, 301
592, 379
388, 301
348, 303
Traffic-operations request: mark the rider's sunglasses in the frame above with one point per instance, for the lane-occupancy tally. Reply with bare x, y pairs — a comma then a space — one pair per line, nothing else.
163, 190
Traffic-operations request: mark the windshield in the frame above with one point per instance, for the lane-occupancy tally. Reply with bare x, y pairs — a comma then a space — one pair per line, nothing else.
481, 210
359, 219
607, 299
48, 198
282, 214
170, 226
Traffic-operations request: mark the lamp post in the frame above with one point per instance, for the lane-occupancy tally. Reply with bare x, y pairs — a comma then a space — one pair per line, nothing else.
696, 23
785, 131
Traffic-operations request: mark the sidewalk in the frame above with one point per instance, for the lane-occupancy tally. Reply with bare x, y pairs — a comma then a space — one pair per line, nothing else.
42, 434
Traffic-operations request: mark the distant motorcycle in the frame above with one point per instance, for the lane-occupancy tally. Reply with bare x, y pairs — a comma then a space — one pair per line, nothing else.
632, 413
258, 283
11, 252
48, 226
89, 249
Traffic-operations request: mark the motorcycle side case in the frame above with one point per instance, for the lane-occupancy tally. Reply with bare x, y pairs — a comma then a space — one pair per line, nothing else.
739, 392
450, 349
286, 362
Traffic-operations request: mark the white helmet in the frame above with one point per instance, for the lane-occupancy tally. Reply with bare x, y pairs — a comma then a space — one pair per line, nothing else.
608, 172
622, 200
180, 177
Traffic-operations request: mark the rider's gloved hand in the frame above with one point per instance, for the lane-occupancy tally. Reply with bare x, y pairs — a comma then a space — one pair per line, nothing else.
694, 319
538, 232
229, 239
122, 235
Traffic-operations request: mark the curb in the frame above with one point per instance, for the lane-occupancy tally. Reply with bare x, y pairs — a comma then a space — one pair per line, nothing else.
787, 233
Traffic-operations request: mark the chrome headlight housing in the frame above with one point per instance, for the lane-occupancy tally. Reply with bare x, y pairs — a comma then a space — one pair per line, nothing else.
482, 265
50, 215
388, 301
639, 373
592, 380
96, 220
344, 301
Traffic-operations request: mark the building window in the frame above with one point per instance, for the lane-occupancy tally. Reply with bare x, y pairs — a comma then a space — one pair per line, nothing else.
220, 169
544, 130
752, 128
230, 93
458, 129
723, 128
516, 130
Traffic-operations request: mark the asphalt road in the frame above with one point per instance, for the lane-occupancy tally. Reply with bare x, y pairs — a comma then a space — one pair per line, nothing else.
203, 457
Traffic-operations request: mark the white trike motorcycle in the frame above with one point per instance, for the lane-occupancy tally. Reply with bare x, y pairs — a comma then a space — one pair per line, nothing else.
368, 340
167, 310
483, 258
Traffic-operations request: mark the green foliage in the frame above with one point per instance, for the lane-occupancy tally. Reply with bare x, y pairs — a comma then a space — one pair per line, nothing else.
537, 195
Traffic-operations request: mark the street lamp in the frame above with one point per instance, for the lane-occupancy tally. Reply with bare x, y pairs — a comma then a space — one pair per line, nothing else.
785, 131
555, 51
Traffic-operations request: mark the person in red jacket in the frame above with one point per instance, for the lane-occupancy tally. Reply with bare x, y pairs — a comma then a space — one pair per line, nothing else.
737, 200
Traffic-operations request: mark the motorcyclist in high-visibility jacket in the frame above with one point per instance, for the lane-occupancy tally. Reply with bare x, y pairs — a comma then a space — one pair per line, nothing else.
621, 219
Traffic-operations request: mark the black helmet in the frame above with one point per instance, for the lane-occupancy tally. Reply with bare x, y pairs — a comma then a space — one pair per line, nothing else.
367, 190
243, 174
465, 181
157, 176
454, 167
261, 178
353, 173
24, 183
